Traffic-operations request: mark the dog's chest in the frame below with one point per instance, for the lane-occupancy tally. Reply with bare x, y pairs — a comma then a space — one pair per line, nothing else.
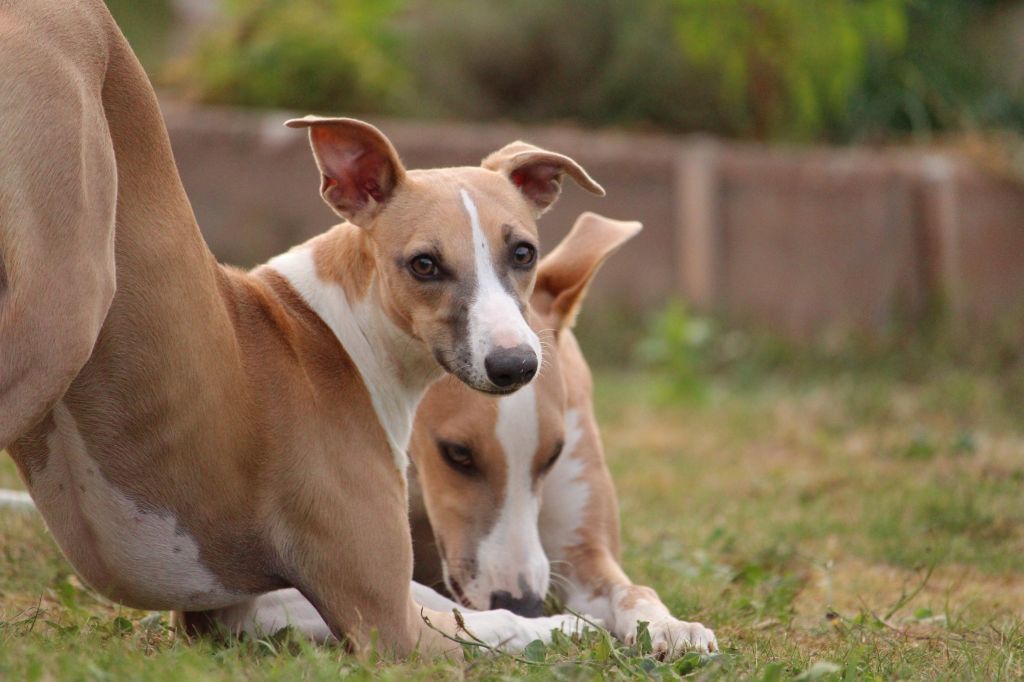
138, 555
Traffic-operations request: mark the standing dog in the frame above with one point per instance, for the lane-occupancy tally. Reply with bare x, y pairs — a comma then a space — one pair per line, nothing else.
195, 436
504, 488
503, 491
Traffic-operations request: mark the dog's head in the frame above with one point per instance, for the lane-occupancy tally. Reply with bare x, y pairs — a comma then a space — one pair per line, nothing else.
455, 249
482, 462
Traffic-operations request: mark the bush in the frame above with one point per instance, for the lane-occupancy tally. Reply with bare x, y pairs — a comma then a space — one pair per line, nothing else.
319, 55
146, 25
599, 62
940, 81
840, 70
677, 348
789, 68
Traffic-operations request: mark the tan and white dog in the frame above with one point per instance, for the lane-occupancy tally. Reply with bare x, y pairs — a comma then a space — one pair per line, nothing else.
505, 488
195, 436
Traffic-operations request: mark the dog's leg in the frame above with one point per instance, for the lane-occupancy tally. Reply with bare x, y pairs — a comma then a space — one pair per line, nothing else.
592, 580
260, 616
58, 188
271, 612
496, 629
600, 586
434, 600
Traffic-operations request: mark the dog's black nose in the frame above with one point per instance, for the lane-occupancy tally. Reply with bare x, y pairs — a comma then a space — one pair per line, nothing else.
529, 605
511, 367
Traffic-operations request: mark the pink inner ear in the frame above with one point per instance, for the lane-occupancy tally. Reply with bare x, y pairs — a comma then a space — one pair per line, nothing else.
372, 187
356, 169
539, 182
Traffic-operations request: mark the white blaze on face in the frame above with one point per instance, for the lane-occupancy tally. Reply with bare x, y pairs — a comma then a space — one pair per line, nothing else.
512, 548
495, 320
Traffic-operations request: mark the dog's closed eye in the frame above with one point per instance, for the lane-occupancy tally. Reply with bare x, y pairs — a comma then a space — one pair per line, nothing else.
550, 461
459, 457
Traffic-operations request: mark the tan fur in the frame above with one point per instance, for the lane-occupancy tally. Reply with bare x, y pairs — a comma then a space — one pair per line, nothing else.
457, 507
348, 261
461, 508
204, 395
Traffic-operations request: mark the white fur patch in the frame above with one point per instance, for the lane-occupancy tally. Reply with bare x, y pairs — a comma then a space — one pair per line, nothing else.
147, 555
374, 343
512, 548
269, 613
565, 494
495, 320
432, 599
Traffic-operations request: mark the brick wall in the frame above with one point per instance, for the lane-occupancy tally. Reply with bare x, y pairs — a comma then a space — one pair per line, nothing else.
803, 240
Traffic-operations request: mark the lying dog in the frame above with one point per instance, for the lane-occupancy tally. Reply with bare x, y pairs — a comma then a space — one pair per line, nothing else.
508, 492
503, 489
195, 436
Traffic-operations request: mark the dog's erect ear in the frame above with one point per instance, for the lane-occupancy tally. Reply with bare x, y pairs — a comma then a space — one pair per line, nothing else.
538, 173
564, 274
359, 168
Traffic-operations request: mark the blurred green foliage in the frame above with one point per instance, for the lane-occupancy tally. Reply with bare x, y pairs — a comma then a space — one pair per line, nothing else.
838, 70
676, 348
686, 354
790, 68
939, 81
147, 24
308, 54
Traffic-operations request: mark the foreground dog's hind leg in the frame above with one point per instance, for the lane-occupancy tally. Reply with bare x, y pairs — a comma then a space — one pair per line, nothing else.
58, 188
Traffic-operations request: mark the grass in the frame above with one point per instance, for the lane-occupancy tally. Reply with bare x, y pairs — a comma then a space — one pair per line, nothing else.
830, 521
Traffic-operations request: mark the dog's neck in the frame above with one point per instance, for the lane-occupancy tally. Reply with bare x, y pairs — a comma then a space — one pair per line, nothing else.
395, 367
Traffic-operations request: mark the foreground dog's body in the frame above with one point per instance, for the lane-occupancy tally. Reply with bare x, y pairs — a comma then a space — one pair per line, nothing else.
505, 488
195, 436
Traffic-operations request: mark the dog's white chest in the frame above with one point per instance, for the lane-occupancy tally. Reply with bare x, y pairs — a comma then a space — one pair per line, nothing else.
140, 556
566, 493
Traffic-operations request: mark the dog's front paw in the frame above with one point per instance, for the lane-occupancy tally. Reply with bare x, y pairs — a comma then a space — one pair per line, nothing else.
671, 638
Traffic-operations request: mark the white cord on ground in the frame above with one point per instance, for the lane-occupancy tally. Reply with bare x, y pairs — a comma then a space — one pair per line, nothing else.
16, 499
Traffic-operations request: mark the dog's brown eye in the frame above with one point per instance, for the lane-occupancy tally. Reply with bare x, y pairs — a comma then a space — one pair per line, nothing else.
424, 267
523, 255
459, 457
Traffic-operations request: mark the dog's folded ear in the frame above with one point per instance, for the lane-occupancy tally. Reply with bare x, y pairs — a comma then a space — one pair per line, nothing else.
359, 167
564, 274
538, 173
